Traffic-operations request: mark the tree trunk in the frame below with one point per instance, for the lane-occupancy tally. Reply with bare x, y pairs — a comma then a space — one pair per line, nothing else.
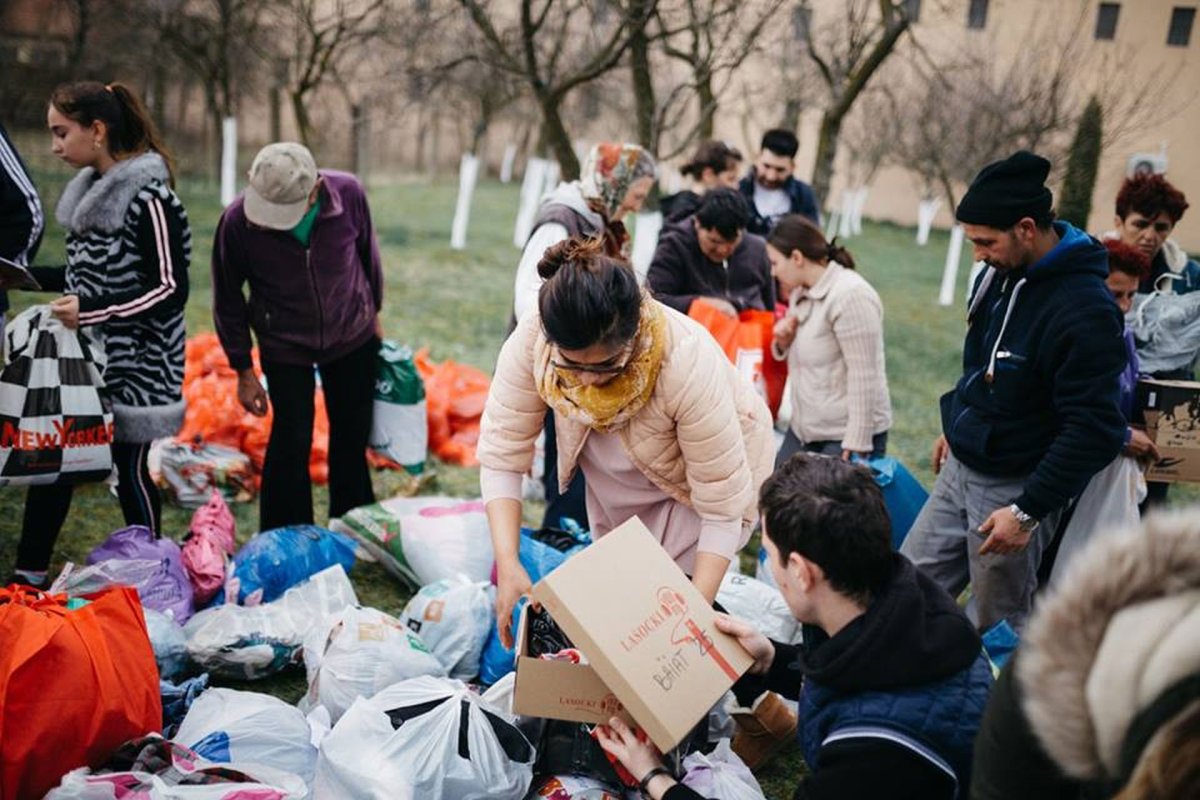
275, 101
827, 145
643, 86
707, 99
556, 140
303, 121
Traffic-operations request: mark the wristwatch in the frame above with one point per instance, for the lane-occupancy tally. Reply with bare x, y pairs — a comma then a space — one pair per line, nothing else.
1026, 522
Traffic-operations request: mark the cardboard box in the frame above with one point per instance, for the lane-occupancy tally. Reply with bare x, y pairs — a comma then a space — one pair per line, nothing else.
560, 689
647, 633
1171, 412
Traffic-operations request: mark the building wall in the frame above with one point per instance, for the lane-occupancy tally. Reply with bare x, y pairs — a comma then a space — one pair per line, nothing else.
1140, 45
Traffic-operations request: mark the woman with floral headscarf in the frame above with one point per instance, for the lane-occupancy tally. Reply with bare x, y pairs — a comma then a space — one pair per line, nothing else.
614, 181
645, 404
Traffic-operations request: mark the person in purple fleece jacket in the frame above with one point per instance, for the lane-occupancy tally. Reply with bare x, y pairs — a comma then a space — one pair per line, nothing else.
302, 239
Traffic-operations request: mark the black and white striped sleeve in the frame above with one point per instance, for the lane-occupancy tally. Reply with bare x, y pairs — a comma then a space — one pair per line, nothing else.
21, 219
155, 279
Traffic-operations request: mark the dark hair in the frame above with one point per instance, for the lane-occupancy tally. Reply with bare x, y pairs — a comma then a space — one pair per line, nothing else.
832, 513
1150, 195
588, 297
131, 131
781, 142
798, 232
725, 211
711, 154
1127, 259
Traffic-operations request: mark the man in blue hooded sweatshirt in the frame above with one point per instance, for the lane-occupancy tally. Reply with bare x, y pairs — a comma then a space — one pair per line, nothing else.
1036, 412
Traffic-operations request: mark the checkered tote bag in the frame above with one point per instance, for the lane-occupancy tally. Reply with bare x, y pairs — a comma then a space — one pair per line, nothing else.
55, 424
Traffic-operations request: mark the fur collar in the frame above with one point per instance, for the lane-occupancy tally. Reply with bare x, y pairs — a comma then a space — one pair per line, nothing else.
93, 202
1065, 664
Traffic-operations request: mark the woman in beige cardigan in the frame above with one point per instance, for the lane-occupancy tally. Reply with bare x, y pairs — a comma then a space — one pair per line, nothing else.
832, 338
644, 402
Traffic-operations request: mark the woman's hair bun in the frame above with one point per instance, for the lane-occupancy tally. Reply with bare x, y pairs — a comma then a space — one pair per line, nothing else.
579, 251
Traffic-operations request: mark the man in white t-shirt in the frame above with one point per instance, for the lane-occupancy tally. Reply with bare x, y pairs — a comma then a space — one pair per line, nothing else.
771, 188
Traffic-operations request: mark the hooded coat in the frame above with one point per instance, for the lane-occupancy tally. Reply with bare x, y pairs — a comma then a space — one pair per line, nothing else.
1039, 394
1111, 656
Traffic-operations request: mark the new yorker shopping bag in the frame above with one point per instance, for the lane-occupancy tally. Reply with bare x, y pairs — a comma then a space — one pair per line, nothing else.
55, 425
747, 342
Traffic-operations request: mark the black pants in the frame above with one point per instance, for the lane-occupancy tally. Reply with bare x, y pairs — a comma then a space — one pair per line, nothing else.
573, 502
349, 386
792, 445
46, 507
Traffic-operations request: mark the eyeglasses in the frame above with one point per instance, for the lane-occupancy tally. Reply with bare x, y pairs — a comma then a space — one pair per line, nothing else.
611, 366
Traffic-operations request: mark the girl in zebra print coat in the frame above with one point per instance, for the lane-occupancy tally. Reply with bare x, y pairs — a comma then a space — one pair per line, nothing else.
128, 248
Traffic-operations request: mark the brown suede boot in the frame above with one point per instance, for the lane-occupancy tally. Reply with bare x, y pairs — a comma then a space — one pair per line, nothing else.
763, 729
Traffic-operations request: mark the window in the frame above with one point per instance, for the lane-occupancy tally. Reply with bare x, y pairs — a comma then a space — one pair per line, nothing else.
1181, 26
1106, 20
912, 10
977, 15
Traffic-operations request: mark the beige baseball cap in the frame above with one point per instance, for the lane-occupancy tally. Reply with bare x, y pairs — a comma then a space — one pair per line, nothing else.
281, 179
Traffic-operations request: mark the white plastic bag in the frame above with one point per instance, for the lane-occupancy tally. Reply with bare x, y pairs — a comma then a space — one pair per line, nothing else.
759, 604
445, 541
406, 742
420, 540
721, 774
355, 653
169, 643
399, 426
453, 618
1107, 505
225, 725
177, 775
252, 642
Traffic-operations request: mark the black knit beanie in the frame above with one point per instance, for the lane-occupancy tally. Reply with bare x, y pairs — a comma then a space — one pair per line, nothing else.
1006, 191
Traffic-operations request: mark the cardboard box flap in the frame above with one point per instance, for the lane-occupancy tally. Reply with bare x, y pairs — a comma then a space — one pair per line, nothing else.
560, 689
645, 630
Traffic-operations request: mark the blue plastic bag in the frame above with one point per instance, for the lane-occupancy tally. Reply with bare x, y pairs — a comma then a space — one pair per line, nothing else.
539, 559
999, 642
275, 561
903, 494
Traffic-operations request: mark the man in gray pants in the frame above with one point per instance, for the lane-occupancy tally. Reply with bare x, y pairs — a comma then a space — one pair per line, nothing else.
1036, 413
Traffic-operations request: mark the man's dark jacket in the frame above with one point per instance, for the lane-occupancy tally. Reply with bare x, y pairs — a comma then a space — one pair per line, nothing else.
1040, 394
889, 705
801, 194
680, 272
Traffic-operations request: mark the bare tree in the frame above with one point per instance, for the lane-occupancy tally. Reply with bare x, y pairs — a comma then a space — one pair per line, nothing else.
711, 39
324, 31
970, 108
219, 42
847, 53
554, 47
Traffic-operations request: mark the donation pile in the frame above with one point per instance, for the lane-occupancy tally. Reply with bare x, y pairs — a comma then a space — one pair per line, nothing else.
394, 706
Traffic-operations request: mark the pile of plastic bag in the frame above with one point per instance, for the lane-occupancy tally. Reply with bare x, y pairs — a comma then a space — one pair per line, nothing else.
214, 415
455, 395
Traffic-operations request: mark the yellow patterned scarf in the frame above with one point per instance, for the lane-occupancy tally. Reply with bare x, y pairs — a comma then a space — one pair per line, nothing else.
608, 407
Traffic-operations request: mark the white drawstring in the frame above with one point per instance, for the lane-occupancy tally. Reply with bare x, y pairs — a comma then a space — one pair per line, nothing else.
1012, 301
977, 298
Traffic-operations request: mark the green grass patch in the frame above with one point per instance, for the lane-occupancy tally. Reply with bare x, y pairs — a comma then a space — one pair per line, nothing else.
457, 304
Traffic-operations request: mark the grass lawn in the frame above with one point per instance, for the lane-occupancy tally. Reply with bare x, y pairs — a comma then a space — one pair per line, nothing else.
457, 304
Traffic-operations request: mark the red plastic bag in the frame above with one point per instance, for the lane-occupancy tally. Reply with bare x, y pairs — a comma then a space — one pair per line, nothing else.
455, 395
747, 342
74, 685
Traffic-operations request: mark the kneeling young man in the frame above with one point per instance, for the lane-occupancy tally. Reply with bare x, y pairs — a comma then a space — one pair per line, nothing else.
891, 678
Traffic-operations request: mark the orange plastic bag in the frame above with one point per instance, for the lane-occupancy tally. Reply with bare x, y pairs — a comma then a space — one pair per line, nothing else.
455, 395
215, 415
747, 342
74, 685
